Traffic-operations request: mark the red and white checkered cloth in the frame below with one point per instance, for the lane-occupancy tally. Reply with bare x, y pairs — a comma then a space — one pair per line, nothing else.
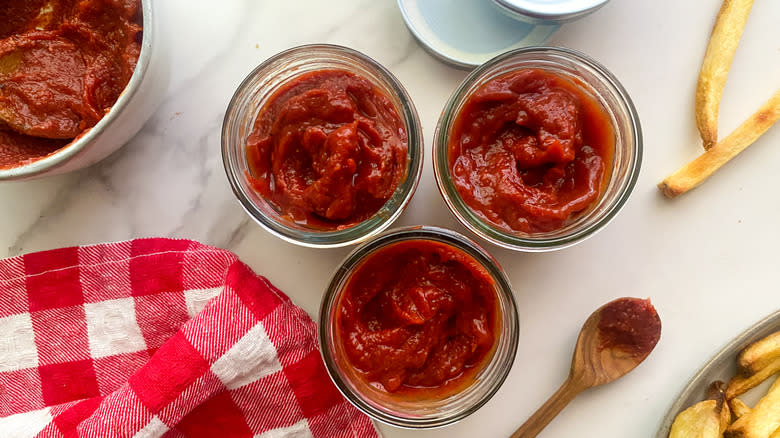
158, 338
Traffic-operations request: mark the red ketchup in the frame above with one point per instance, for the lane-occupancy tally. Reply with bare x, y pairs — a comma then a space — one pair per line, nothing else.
418, 317
63, 64
530, 150
629, 325
327, 150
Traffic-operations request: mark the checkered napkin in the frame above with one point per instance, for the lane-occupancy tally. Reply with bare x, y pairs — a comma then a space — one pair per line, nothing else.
158, 338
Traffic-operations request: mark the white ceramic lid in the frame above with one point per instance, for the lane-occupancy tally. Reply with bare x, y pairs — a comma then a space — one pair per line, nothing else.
466, 33
558, 10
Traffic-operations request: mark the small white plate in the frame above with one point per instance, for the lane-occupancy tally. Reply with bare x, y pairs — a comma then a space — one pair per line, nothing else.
466, 33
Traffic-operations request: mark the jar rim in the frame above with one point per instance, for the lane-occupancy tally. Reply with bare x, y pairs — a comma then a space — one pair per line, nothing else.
343, 58
497, 369
537, 242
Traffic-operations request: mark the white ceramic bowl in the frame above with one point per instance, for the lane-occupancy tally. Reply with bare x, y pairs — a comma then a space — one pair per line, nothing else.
135, 105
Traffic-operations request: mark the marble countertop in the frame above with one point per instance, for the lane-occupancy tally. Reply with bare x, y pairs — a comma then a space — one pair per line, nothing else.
708, 259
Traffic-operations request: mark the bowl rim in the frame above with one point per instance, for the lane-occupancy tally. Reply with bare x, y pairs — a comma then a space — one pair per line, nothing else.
63, 155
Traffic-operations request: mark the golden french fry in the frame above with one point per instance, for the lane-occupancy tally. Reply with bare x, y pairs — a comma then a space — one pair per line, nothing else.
724, 417
724, 40
695, 172
740, 384
776, 434
716, 392
762, 421
759, 354
701, 420
738, 407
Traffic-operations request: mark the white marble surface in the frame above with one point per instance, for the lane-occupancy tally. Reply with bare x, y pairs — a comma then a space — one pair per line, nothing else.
708, 259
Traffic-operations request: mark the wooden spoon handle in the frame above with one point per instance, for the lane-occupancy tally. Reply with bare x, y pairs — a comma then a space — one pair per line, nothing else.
552, 407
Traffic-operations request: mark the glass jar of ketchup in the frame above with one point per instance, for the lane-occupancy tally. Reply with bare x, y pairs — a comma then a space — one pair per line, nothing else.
418, 327
322, 146
538, 149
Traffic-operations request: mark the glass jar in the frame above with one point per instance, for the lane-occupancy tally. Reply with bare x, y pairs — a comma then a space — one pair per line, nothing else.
595, 81
255, 92
430, 410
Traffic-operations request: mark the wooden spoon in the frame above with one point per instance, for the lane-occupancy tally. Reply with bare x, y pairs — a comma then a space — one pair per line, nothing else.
613, 341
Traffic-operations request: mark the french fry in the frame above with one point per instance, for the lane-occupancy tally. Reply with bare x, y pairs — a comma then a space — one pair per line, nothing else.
695, 172
725, 415
716, 392
740, 384
762, 421
738, 407
701, 420
707, 419
724, 40
759, 354
776, 434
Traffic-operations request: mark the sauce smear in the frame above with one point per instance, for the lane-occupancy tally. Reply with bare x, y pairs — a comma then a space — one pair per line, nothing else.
629, 325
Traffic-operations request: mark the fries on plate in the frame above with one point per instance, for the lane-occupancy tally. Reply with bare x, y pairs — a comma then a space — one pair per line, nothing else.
757, 362
762, 421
